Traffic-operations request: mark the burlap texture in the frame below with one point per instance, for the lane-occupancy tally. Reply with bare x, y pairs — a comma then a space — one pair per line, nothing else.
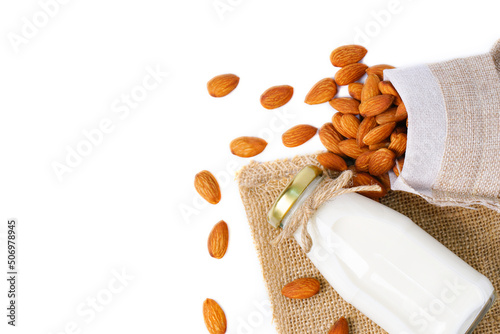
474, 235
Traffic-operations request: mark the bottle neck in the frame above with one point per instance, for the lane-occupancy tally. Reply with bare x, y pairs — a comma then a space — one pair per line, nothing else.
302, 198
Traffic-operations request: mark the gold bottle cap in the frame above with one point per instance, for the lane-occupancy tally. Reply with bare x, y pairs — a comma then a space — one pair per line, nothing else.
291, 194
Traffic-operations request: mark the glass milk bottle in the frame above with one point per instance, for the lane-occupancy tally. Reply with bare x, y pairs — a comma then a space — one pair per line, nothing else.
386, 266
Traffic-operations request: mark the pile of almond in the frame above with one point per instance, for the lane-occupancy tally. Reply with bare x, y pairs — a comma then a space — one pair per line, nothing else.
367, 134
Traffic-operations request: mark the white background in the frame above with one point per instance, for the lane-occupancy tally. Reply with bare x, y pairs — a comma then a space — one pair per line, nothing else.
120, 208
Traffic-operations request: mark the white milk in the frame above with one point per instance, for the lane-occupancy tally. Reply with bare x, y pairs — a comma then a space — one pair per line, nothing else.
391, 270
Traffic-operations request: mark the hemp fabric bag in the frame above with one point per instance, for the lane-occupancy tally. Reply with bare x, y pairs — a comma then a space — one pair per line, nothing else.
453, 147
474, 235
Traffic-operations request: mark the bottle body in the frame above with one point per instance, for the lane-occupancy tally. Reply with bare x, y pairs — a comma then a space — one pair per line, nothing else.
394, 272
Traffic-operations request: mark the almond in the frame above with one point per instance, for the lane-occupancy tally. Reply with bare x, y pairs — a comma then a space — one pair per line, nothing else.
366, 126
347, 54
222, 85
301, 288
379, 70
388, 116
386, 87
364, 179
298, 135
330, 138
350, 125
350, 148
401, 111
218, 240
385, 180
379, 133
350, 74
398, 144
322, 92
398, 167
400, 129
352, 168
345, 105
276, 96
393, 135
337, 123
362, 161
247, 147
214, 316
332, 161
376, 147
370, 89
355, 89
340, 327
375, 105
381, 161
207, 186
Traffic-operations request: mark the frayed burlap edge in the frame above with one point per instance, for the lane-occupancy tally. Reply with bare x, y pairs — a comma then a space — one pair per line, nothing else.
474, 235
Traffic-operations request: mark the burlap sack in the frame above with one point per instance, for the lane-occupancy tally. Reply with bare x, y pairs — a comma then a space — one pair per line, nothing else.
474, 235
452, 154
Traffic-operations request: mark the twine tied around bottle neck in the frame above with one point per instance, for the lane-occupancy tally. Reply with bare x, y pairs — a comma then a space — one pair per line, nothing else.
326, 190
